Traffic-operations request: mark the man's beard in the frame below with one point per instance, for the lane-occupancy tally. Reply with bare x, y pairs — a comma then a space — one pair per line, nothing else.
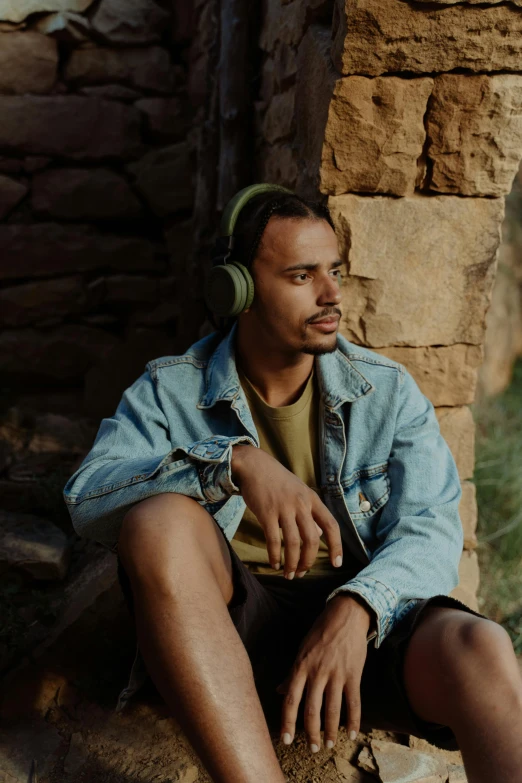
318, 350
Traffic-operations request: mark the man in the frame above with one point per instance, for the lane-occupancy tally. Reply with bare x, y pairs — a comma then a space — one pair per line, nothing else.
281, 442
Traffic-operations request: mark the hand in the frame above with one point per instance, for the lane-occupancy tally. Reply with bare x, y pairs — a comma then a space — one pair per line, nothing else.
281, 500
330, 660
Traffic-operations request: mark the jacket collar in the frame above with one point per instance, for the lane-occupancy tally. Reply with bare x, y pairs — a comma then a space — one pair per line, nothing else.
339, 380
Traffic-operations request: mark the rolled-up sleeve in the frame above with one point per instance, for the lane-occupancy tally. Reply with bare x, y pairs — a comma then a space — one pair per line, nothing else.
133, 457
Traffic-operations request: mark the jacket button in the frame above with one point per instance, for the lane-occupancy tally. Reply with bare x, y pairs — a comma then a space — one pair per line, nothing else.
365, 505
331, 479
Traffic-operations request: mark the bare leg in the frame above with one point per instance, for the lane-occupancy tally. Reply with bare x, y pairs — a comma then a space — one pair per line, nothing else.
181, 576
461, 671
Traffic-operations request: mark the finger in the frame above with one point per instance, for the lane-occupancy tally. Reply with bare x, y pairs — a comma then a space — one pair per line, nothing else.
272, 533
292, 544
331, 530
291, 706
352, 694
332, 713
310, 541
312, 712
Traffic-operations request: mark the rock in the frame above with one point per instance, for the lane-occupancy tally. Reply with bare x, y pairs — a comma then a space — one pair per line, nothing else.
138, 68
457, 774
180, 240
366, 761
278, 122
469, 580
33, 545
468, 514
130, 21
474, 127
84, 194
164, 177
279, 165
111, 92
28, 63
398, 764
355, 133
348, 773
385, 36
107, 379
18, 10
132, 289
167, 119
458, 430
450, 241
65, 26
283, 21
28, 303
470, 2
35, 163
69, 127
60, 354
11, 193
43, 249
446, 375
76, 755
57, 434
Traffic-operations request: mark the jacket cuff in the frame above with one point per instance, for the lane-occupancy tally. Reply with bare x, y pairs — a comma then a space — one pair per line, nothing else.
213, 459
379, 597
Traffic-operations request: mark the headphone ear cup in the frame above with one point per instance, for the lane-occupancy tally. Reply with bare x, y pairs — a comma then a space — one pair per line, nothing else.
229, 289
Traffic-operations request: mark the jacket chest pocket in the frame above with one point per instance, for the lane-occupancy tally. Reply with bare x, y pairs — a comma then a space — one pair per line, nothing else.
365, 493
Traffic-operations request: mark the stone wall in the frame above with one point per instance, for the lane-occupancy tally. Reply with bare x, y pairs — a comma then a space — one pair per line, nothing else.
97, 170
406, 117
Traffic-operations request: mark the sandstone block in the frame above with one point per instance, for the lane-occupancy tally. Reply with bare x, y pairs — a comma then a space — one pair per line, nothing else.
84, 194
61, 354
469, 580
469, 514
42, 249
18, 10
356, 133
167, 119
164, 177
278, 121
474, 127
69, 127
130, 21
33, 545
446, 375
458, 429
28, 63
470, 2
11, 193
450, 241
373, 37
29, 303
142, 69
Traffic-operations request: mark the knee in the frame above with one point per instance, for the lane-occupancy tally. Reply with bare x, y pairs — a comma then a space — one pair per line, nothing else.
474, 651
151, 526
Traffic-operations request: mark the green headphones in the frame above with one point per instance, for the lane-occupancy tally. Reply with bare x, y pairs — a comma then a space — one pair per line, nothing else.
229, 288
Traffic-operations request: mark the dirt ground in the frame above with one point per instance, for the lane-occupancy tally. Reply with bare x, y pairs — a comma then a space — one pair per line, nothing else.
59, 712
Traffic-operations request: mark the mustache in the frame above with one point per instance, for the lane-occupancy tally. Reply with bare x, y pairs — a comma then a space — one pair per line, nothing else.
324, 314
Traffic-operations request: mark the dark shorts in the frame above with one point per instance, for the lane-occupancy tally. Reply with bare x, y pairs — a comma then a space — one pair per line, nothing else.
272, 615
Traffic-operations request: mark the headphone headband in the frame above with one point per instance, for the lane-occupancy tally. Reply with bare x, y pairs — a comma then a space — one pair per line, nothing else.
237, 202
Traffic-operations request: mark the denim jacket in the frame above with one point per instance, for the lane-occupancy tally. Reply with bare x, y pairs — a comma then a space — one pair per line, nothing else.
387, 474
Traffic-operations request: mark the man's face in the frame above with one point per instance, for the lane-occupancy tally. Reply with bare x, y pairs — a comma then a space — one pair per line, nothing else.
297, 283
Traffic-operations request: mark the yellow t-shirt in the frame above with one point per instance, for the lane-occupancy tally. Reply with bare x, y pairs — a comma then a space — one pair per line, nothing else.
289, 434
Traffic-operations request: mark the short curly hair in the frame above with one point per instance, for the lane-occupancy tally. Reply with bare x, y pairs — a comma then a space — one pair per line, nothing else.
251, 224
